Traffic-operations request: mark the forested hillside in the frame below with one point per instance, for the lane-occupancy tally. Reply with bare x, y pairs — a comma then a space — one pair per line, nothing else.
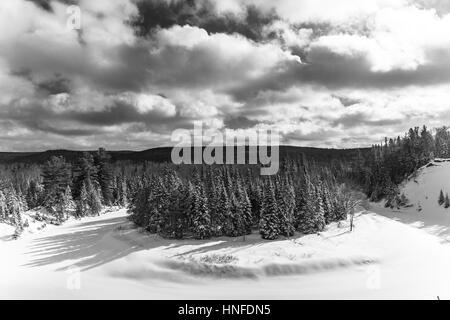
205, 201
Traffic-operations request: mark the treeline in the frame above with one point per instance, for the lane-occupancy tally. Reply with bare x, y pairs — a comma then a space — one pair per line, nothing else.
381, 171
63, 189
179, 201
212, 201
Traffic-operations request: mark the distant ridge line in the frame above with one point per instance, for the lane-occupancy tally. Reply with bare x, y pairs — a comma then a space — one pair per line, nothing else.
162, 154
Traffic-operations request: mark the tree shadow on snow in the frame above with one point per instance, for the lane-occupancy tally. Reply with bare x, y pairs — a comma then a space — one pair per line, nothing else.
91, 244
435, 223
87, 244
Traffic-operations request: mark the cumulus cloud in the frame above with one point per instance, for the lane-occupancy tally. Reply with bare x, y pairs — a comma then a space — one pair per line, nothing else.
323, 73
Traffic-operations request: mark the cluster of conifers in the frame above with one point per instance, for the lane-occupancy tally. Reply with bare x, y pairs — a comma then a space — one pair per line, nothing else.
212, 201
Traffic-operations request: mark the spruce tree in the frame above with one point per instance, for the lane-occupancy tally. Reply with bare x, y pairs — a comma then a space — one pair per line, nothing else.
140, 208
56, 177
3, 208
105, 176
285, 198
67, 203
327, 207
237, 217
214, 205
83, 203
224, 211
173, 218
312, 218
446, 201
158, 202
269, 226
85, 169
33, 195
123, 194
256, 200
201, 217
93, 198
247, 212
15, 212
441, 198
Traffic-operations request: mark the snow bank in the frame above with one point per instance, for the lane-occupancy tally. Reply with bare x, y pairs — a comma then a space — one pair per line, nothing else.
6, 231
381, 258
422, 190
36, 220
250, 257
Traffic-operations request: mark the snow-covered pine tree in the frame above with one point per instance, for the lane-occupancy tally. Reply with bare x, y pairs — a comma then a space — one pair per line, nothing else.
13, 204
237, 217
83, 203
56, 177
327, 207
123, 200
338, 209
312, 219
320, 222
441, 199
284, 196
105, 176
214, 204
269, 226
68, 203
446, 201
33, 195
172, 219
256, 200
158, 203
94, 198
140, 207
224, 211
3, 208
201, 217
300, 204
247, 212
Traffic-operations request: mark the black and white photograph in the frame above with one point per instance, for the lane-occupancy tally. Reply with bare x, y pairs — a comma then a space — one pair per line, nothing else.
219, 150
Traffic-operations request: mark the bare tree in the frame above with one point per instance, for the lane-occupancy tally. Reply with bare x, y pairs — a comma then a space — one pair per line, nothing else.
350, 198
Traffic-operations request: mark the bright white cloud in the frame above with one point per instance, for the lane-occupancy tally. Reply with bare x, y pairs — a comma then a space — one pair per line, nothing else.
389, 58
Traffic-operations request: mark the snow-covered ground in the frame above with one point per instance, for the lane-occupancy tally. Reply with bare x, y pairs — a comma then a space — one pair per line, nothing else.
390, 254
422, 191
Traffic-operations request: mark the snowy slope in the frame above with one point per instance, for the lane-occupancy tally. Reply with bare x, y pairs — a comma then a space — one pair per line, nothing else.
381, 258
424, 186
422, 190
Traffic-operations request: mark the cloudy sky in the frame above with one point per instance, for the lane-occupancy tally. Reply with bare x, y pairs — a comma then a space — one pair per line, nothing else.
324, 72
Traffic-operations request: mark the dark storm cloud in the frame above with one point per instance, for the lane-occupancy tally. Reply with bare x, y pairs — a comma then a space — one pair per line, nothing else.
46, 4
44, 126
55, 86
118, 113
335, 71
155, 14
361, 119
43, 4
346, 101
35, 116
239, 122
319, 135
